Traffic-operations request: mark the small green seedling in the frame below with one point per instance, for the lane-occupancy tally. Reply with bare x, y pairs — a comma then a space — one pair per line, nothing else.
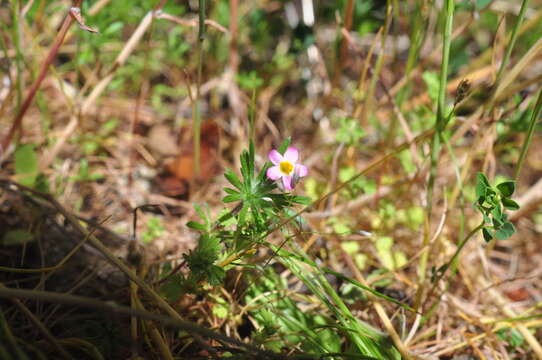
492, 201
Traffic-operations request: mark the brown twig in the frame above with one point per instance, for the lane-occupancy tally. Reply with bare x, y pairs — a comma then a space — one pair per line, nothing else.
18, 120
111, 307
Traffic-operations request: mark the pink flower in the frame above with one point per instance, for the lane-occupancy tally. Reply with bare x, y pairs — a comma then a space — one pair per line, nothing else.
286, 167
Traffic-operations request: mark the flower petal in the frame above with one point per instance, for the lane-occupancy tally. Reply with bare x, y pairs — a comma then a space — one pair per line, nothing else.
291, 155
275, 157
287, 181
300, 170
274, 172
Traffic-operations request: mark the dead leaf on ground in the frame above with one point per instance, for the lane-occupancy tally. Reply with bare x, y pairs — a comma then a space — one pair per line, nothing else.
181, 170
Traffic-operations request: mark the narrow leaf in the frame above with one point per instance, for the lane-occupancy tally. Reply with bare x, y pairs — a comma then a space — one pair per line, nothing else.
231, 198
282, 148
196, 226
230, 191
233, 179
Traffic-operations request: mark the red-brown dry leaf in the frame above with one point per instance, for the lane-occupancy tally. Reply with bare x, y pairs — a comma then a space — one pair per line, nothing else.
180, 171
519, 294
182, 167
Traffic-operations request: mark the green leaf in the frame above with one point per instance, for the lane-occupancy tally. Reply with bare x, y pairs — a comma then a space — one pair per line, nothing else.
220, 311
17, 237
215, 275
487, 234
505, 231
245, 168
199, 211
230, 191
497, 222
231, 198
431, 80
509, 204
497, 214
303, 200
26, 164
196, 226
208, 244
249, 81
243, 214
284, 146
154, 230
507, 188
349, 131
251, 158
482, 184
512, 336
233, 179
172, 289
480, 4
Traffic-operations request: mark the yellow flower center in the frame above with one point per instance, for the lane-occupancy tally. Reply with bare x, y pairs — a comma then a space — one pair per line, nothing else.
286, 167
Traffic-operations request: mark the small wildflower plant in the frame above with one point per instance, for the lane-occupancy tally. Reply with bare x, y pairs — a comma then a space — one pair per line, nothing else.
264, 202
259, 206
492, 201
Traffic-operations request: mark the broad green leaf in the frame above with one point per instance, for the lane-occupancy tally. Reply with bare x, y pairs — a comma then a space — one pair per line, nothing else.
215, 275
507, 188
480, 4
506, 230
17, 237
497, 213
172, 289
350, 247
220, 311
26, 164
512, 336
481, 187
509, 204
487, 234
208, 244
431, 80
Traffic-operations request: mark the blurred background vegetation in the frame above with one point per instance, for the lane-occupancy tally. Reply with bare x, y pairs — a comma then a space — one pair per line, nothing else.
123, 114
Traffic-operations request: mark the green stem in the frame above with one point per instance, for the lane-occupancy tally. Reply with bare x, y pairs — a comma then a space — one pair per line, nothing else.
252, 116
513, 39
440, 125
534, 118
449, 264
197, 122
7, 335
16, 13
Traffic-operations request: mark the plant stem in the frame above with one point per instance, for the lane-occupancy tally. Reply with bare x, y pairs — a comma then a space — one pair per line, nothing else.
18, 120
440, 125
343, 51
513, 39
369, 101
534, 118
197, 119
449, 264
111, 307
16, 14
